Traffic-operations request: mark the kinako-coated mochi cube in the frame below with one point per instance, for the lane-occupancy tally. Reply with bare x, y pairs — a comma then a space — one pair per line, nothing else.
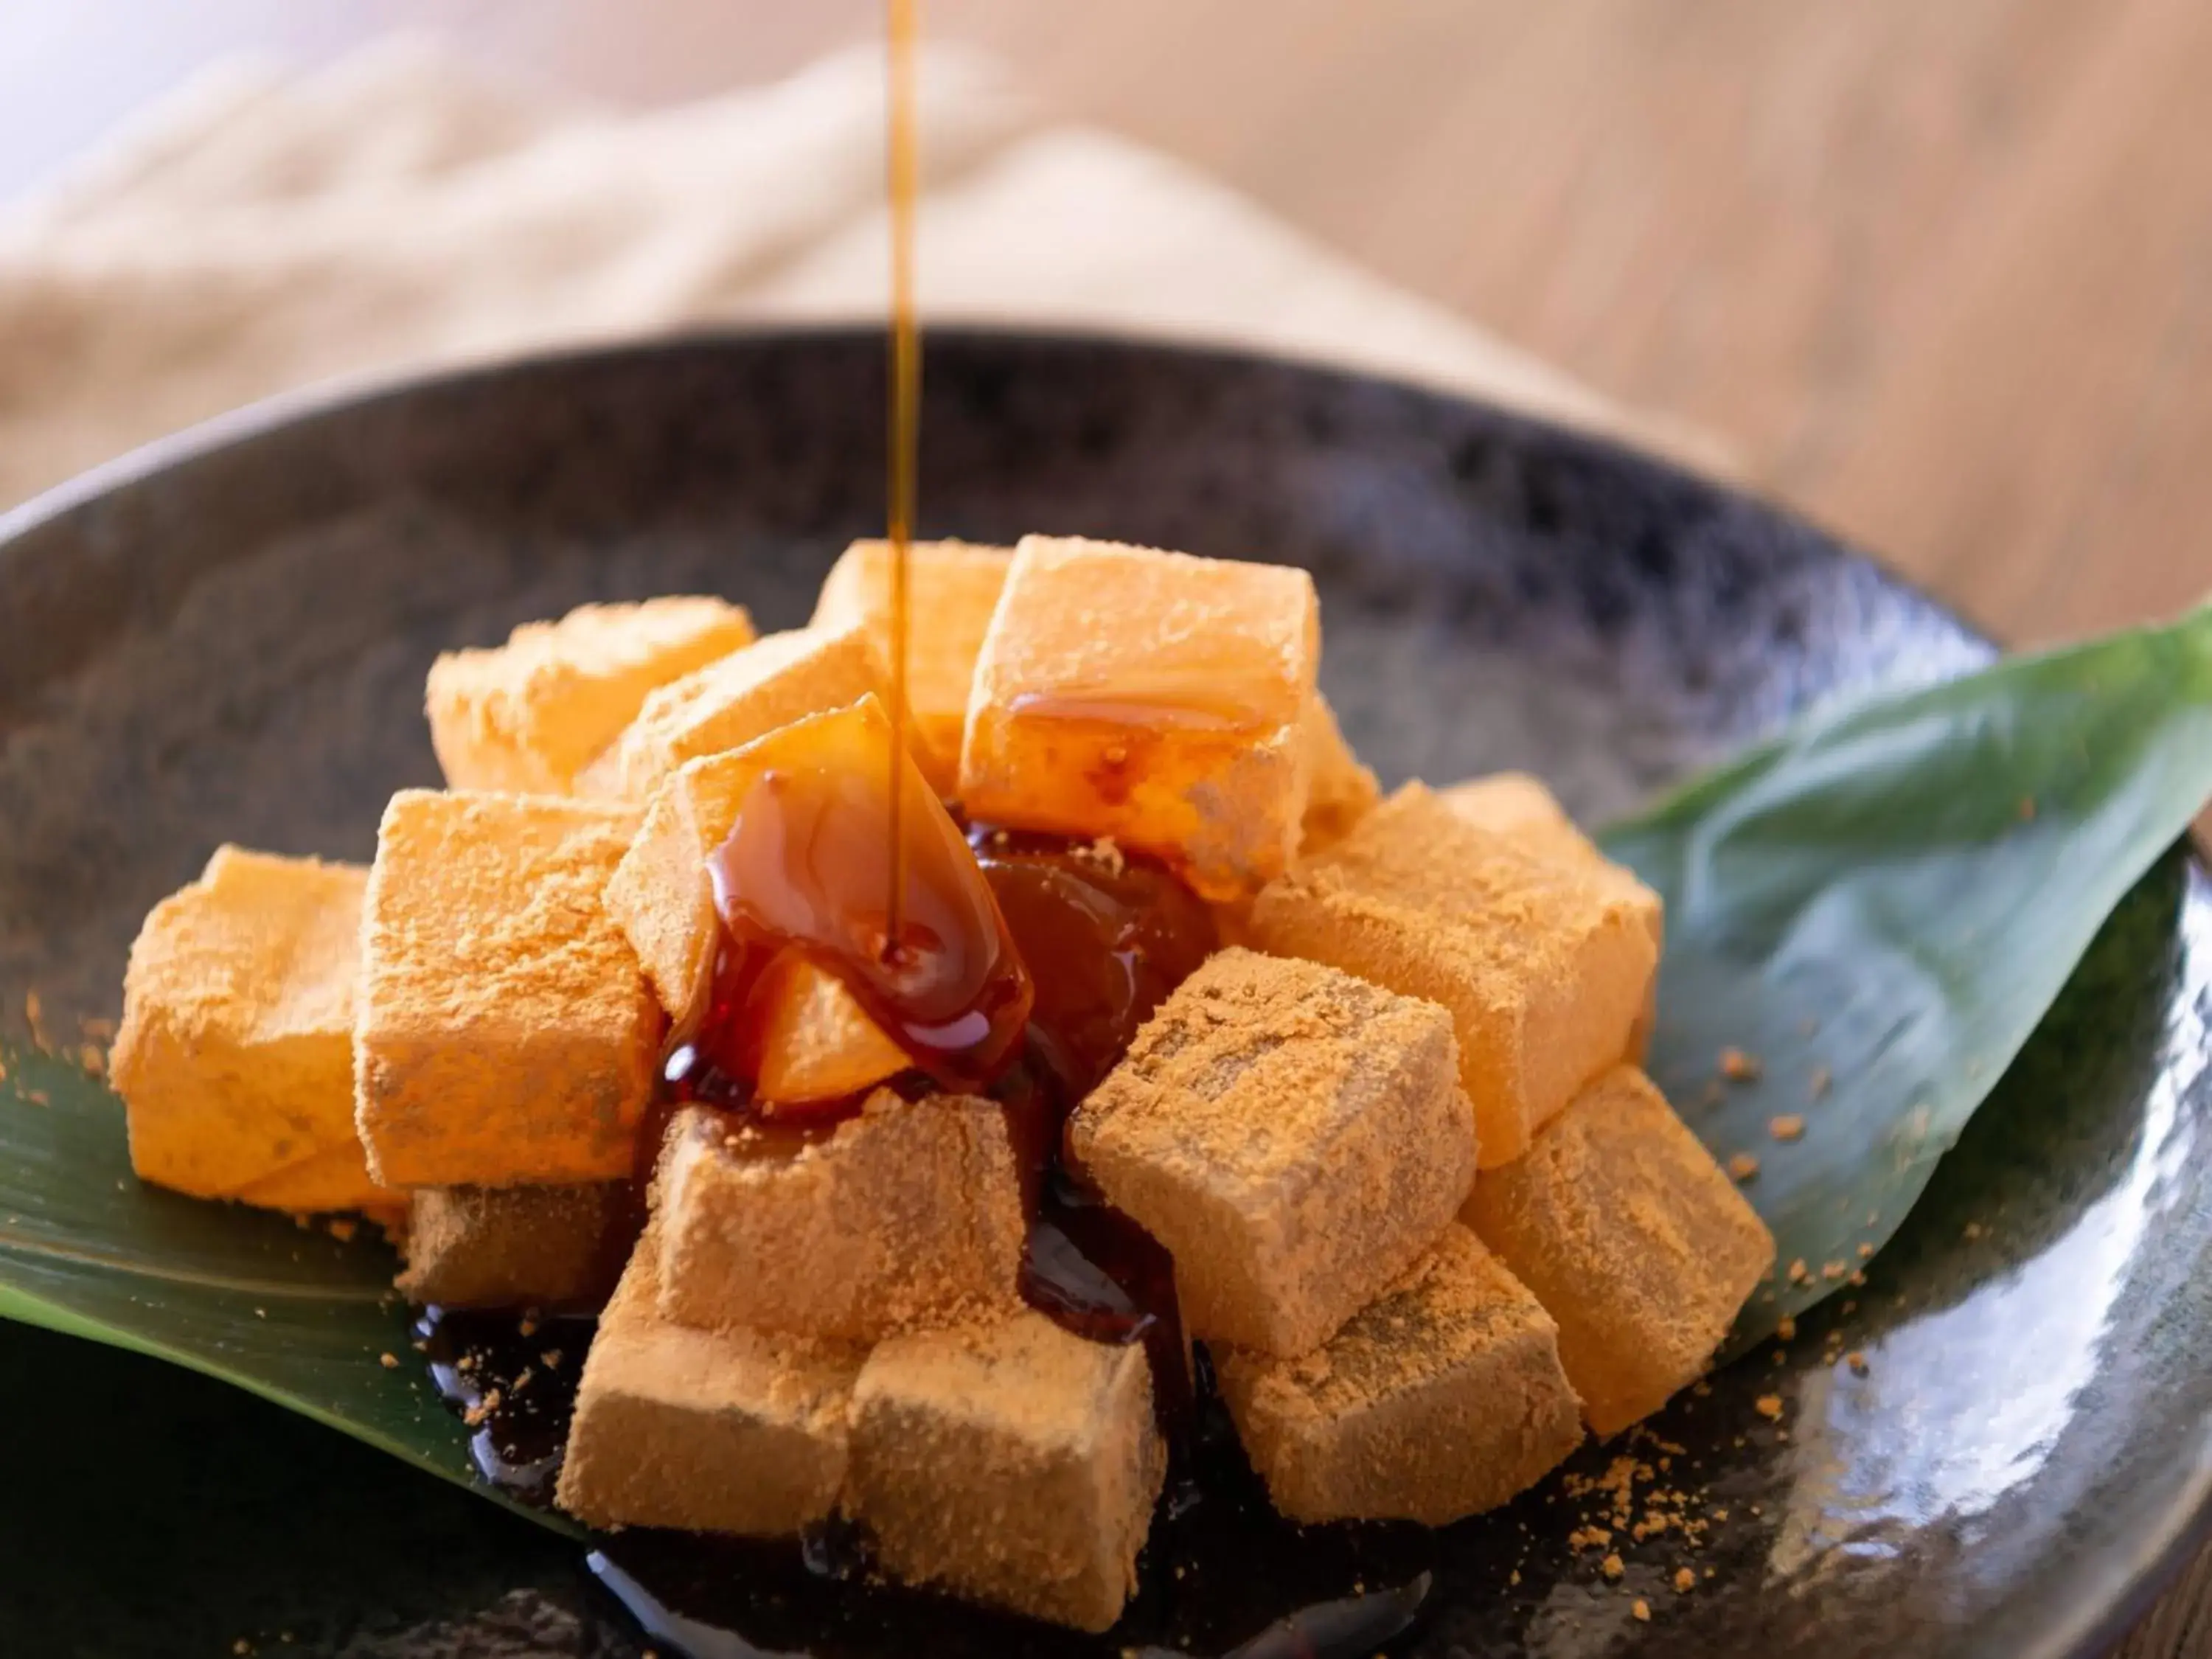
1341, 791
1153, 697
1634, 1240
1441, 1398
234, 1058
1014, 1464
952, 588
512, 1246
903, 1217
529, 715
731, 701
505, 1036
728, 1431
1521, 809
1294, 1136
663, 896
1544, 972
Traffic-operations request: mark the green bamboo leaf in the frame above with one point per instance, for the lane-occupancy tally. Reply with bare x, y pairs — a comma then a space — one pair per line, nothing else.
293, 1315
1879, 907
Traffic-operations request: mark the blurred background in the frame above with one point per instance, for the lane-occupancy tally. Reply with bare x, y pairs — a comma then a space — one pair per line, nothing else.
1940, 274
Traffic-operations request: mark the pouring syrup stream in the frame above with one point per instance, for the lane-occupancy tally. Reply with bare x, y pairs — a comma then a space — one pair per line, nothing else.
901, 166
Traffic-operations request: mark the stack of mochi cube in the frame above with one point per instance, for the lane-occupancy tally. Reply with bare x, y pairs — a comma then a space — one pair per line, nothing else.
1426, 1212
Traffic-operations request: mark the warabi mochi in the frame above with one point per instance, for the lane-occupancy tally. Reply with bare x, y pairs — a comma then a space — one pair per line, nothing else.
952, 588
731, 702
530, 715
1150, 697
504, 1034
1014, 1464
904, 1217
1296, 1137
727, 1431
1442, 1397
1545, 971
512, 1247
234, 1058
1634, 1240
662, 894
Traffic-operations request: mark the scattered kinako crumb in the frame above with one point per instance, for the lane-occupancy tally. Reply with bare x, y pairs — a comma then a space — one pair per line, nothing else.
1798, 1271
483, 1408
1106, 853
1785, 1328
389, 1361
342, 1229
522, 1381
1685, 1580
1738, 1067
35, 1015
1743, 1166
467, 1362
1611, 1567
1857, 1362
1788, 1126
1588, 1538
1642, 1609
1769, 1406
94, 1062
551, 1359
1973, 1230
1833, 1269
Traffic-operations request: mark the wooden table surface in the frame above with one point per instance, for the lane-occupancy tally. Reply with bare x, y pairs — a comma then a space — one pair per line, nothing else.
1942, 272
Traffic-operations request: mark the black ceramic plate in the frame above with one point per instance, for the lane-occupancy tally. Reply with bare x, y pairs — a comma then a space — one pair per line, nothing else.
226, 639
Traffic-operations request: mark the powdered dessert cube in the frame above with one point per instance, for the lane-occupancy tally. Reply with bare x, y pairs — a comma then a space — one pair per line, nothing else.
504, 1036
952, 588
235, 1054
1441, 1398
1294, 1136
1521, 809
1633, 1239
1014, 1464
906, 1216
662, 894
725, 1431
1152, 697
511, 1246
731, 702
1342, 790
1544, 972
529, 715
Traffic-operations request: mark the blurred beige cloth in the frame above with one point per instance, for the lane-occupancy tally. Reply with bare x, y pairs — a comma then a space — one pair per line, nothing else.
265, 230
